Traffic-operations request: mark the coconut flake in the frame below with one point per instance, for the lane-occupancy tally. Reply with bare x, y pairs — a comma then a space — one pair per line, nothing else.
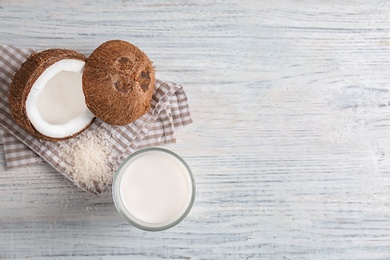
87, 159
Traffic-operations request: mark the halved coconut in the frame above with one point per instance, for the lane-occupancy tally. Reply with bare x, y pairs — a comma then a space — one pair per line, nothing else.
46, 96
118, 82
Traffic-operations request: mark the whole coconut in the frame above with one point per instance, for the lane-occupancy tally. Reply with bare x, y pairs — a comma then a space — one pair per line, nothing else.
118, 82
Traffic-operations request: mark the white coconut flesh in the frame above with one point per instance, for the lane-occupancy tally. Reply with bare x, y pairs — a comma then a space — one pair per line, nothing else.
56, 104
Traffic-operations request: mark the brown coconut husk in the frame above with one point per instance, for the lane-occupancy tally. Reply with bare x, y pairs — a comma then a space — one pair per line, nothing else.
118, 82
25, 78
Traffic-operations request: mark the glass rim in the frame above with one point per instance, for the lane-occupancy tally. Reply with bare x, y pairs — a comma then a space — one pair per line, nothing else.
118, 201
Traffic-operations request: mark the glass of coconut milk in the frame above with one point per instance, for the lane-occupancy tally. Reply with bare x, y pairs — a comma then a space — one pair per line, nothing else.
154, 189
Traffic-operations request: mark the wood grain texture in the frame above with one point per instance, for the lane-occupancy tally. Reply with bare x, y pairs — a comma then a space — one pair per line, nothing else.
290, 144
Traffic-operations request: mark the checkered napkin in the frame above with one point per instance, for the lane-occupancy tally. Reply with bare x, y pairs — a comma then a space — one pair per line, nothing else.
169, 110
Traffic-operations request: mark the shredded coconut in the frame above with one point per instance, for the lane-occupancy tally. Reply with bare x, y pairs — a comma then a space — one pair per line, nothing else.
87, 161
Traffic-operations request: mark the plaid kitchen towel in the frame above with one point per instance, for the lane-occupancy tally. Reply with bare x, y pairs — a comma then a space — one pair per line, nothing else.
90, 159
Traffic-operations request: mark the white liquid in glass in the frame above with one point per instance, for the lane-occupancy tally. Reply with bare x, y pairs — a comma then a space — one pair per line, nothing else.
155, 188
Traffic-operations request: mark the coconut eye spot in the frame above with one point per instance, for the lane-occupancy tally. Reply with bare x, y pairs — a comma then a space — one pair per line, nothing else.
124, 60
145, 80
144, 87
122, 84
124, 63
145, 74
122, 87
62, 99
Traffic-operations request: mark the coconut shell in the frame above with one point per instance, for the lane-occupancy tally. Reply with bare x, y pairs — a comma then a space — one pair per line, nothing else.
25, 78
118, 82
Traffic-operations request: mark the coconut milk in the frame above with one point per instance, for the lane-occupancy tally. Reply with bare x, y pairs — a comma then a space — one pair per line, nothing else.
154, 189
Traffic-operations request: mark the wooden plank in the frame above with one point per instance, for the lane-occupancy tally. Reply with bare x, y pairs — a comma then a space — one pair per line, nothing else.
290, 142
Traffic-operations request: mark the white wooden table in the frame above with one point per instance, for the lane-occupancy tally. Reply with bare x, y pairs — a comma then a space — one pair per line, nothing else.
290, 144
